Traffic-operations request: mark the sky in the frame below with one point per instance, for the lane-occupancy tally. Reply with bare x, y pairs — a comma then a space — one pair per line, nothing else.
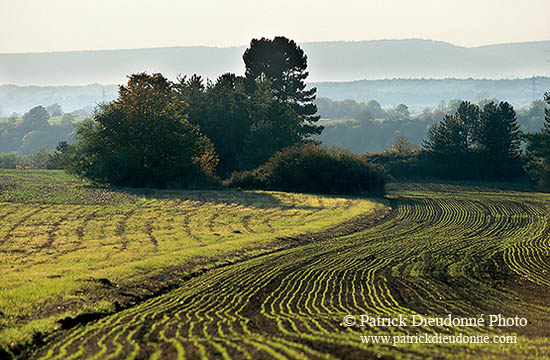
66, 25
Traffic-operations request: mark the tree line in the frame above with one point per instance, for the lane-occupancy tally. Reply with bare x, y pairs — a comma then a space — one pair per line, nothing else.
158, 131
254, 131
359, 126
367, 127
475, 143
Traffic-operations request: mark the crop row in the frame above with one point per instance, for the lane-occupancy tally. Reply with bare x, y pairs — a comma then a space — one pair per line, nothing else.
59, 260
437, 254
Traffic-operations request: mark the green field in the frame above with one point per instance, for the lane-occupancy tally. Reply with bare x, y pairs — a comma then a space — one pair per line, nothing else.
68, 248
444, 249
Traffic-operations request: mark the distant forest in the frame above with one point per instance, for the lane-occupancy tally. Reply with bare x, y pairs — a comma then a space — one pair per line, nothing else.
418, 94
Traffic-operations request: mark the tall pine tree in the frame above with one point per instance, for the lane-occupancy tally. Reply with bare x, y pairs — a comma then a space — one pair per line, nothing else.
455, 135
498, 135
282, 63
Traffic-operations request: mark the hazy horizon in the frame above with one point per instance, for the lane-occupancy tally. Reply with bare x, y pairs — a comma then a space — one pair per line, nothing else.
33, 26
247, 44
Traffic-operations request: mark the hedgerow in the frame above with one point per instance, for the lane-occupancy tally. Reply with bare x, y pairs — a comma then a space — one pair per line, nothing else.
313, 168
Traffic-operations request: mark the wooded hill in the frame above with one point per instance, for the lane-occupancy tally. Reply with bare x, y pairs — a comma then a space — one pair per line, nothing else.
327, 61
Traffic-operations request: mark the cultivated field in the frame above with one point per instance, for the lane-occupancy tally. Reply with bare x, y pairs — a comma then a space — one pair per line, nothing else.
444, 249
69, 249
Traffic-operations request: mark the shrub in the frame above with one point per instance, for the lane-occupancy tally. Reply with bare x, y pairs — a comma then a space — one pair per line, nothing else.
248, 179
470, 166
313, 168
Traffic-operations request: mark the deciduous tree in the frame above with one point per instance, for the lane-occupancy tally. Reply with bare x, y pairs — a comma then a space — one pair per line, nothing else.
142, 138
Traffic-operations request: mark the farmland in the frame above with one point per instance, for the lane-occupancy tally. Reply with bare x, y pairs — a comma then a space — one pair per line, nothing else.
69, 248
469, 251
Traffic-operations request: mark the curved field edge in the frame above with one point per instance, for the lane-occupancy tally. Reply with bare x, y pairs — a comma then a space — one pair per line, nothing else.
465, 252
62, 260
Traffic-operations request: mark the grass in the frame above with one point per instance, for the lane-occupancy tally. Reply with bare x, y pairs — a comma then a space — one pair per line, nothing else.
69, 248
445, 249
